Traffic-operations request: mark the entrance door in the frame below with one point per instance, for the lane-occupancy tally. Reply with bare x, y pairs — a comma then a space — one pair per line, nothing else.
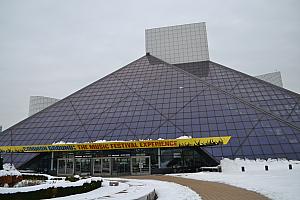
102, 166
120, 166
140, 165
70, 166
97, 166
61, 166
106, 166
83, 166
65, 166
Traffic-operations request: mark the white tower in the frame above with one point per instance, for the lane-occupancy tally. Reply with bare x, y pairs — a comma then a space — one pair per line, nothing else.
178, 44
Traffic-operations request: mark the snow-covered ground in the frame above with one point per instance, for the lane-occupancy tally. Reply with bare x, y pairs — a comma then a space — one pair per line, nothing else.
128, 189
167, 190
278, 183
173, 191
125, 191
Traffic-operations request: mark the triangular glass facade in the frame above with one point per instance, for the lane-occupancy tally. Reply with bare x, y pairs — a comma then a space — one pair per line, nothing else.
266, 96
151, 99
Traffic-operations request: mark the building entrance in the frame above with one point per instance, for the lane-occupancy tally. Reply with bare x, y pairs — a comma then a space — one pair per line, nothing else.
102, 166
140, 165
65, 166
120, 166
105, 166
83, 166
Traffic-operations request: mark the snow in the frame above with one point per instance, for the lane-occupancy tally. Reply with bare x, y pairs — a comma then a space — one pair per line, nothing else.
184, 137
128, 189
97, 141
46, 175
48, 184
277, 183
100, 193
100, 141
104, 141
9, 170
76, 176
62, 142
167, 191
164, 190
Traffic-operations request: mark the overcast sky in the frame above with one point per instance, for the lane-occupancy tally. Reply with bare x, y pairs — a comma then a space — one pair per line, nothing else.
55, 47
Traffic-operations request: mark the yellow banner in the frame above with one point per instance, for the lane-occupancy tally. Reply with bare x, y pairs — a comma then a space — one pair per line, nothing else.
169, 143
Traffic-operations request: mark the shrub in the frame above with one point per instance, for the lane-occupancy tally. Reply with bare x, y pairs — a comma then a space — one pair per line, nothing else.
10, 180
52, 192
72, 178
34, 177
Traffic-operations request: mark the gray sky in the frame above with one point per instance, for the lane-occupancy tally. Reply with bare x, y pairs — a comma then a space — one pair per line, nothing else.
55, 47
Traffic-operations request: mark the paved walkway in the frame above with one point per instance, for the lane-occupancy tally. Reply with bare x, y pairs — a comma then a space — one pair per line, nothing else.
209, 190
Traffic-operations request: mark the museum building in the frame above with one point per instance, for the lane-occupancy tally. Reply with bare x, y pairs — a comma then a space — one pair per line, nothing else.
172, 110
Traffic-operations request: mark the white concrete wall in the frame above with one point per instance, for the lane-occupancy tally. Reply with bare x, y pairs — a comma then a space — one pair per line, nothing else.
234, 166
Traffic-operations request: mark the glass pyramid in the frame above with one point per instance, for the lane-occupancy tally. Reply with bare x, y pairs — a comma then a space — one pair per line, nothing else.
151, 99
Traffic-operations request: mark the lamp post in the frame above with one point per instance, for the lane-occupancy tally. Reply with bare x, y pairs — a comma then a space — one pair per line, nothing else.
11, 145
1, 162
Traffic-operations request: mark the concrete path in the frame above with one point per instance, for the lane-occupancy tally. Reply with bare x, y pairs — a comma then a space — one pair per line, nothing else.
209, 190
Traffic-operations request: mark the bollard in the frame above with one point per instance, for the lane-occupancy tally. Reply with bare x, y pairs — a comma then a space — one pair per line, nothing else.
290, 166
1, 163
243, 169
267, 168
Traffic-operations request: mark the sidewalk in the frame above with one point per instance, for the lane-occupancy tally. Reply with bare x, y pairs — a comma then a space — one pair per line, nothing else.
209, 190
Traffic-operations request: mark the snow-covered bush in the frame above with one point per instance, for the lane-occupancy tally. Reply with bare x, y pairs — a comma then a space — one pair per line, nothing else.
73, 178
9, 175
52, 192
9, 170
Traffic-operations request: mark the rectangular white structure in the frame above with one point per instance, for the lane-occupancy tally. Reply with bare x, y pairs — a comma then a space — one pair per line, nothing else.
38, 103
178, 44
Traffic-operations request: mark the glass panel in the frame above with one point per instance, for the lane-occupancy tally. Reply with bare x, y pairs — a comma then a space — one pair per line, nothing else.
106, 166
77, 166
278, 101
70, 167
61, 167
140, 165
121, 166
97, 166
154, 100
85, 166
